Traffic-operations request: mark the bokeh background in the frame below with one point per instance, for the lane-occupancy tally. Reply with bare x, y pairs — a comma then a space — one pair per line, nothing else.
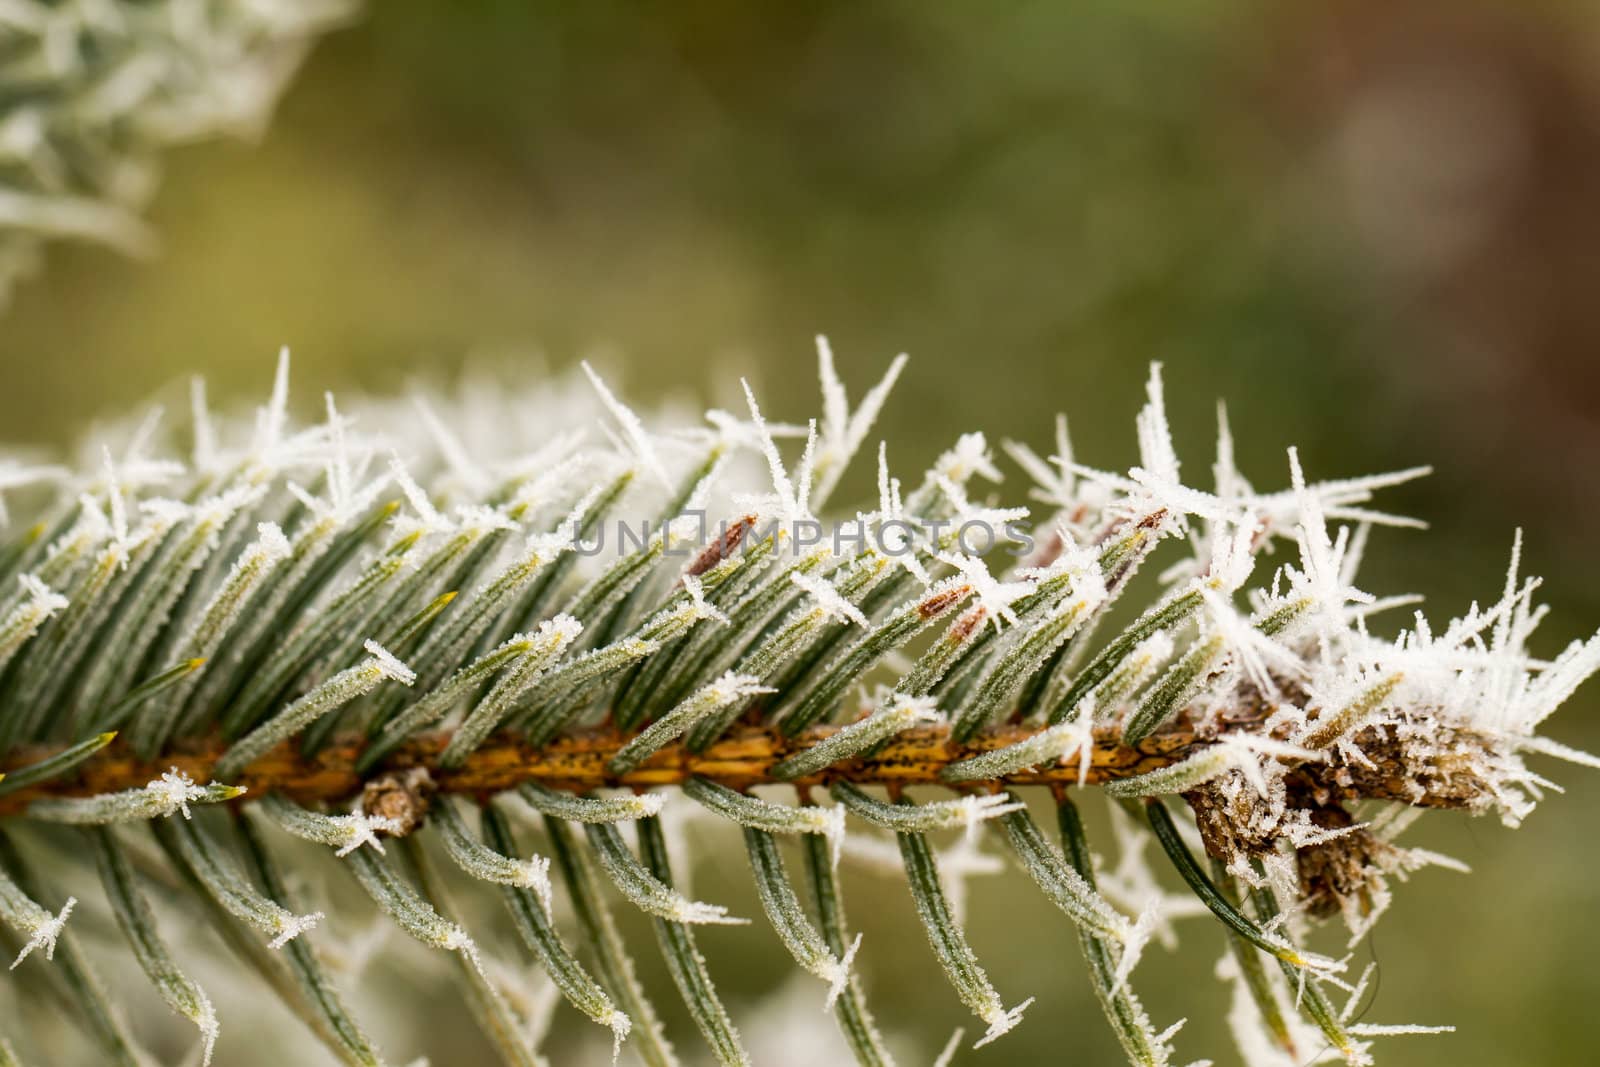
1371, 227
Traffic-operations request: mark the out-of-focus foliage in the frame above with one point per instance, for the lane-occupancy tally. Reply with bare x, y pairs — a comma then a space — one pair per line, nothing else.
94, 90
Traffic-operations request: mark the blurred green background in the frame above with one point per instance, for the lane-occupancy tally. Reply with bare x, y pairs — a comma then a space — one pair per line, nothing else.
1370, 227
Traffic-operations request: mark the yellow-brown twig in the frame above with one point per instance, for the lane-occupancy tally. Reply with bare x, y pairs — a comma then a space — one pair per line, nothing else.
745, 756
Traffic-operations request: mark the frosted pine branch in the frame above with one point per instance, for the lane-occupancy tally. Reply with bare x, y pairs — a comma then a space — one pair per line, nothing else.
356, 635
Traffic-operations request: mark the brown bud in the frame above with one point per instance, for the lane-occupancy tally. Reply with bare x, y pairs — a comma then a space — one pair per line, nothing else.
938, 603
403, 796
722, 547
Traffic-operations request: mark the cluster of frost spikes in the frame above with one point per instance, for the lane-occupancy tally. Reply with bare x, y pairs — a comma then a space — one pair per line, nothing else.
272, 589
99, 88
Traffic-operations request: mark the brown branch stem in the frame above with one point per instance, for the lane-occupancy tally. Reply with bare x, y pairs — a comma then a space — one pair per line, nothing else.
577, 761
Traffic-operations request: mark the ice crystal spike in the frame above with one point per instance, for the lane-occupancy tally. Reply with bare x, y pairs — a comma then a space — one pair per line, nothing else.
632, 428
844, 431
368, 638
829, 601
40, 928
25, 618
344, 833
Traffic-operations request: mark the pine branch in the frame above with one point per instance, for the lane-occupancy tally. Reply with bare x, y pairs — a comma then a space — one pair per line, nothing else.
290, 642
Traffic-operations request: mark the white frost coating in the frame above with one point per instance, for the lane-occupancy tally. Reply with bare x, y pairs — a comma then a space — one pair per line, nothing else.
977, 809
387, 665
208, 1026
344, 463
638, 439
332, 693
684, 910
358, 828
1258, 657
1323, 579
454, 939
559, 631
1055, 481
731, 687
906, 710
1236, 751
534, 873
995, 596
1259, 1047
172, 793
213, 511
428, 518
648, 804
837, 972
271, 545
24, 620
968, 457
1391, 1030
828, 599
897, 534
843, 432
831, 825
781, 483
1001, 1022
43, 936
41, 598
947, 1055
253, 565
293, 927
698, 608
1134, 940
621, 1026
161, 798
1155, 482
785, 504
544, 548
273, 417
1245, 752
